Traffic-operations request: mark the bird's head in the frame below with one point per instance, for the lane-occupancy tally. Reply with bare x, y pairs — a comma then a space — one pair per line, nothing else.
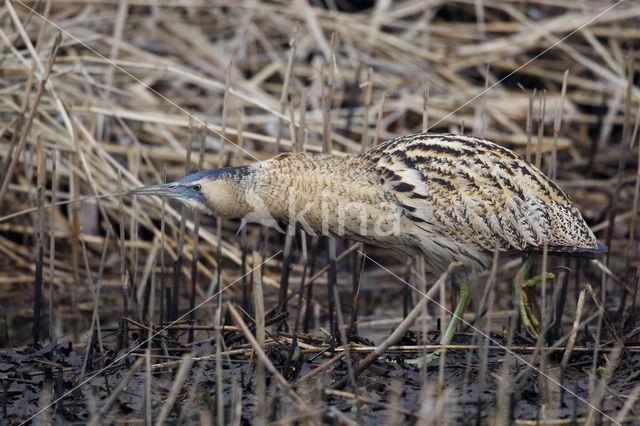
214, 192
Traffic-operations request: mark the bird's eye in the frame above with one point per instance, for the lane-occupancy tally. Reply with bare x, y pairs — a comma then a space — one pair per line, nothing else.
197, 187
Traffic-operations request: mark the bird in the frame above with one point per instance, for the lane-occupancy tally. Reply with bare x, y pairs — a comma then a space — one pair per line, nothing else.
449, 198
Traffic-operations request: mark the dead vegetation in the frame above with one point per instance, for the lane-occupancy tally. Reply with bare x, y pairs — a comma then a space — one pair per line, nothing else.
125, 316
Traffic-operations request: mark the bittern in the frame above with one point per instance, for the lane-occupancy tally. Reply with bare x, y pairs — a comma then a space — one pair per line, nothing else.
450, 198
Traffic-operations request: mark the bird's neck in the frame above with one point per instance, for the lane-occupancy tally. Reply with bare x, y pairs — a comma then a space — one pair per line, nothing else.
321, 193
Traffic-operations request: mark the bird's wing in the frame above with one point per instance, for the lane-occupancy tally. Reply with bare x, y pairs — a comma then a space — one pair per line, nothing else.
479, 193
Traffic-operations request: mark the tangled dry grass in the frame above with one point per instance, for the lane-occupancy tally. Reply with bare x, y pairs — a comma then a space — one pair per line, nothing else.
121, 99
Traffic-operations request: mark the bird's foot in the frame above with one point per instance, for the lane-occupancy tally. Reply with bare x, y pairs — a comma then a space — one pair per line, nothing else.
535, 280
464, 298
423, 361
525, 308
529, 318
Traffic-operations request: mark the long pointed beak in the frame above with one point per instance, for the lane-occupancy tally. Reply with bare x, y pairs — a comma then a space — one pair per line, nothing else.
164, 190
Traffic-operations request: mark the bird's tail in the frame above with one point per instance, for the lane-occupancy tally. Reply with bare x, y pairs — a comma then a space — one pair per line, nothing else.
586, 252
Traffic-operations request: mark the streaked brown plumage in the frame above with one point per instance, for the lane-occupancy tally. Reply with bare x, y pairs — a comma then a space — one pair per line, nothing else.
453, 198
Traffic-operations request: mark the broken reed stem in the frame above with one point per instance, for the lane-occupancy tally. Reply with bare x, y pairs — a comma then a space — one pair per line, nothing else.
574, 331
196, 239
529, 130
359, 271
483, 104
133, 235
628, 405
368, 90
124, 336
345, 345
75, 234
163, 216
484, 339
319, 369
148, 377
400, 330
177, 272
37, 296
332, 278
286, 269
305, 266
292, 129
541, 115
598, 394
544, 324
52, 241
626, 132
636, 194
443, 321
285, 92
425, 108
218, 359
237, 153
301, 139
557, 124
257, 347
121, 387
504, 403
376, 141
258, 303
291, 232
18, 122
27, 125
327, 143
94, 317
309, 298
219, 258
181, 376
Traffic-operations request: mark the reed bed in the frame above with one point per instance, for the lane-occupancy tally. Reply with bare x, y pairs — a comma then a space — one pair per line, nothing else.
123, 309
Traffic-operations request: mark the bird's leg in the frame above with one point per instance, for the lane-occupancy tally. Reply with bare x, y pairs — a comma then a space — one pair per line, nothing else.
464, 299
520, 297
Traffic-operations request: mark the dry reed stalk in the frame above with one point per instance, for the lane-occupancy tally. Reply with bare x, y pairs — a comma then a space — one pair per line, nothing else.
596, 397
368, 90
397, 333
574, 331
291, 231
442, 317
39, 249
52, 242
488, 297
541, 115
218, 359
636, 191
196, 239
27, 126
258, 303
174, 300
163, 308
260, 353
181, 376
147, 353
124, 334
425, 108
557, 124
529, 124
376, 141
285, 91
